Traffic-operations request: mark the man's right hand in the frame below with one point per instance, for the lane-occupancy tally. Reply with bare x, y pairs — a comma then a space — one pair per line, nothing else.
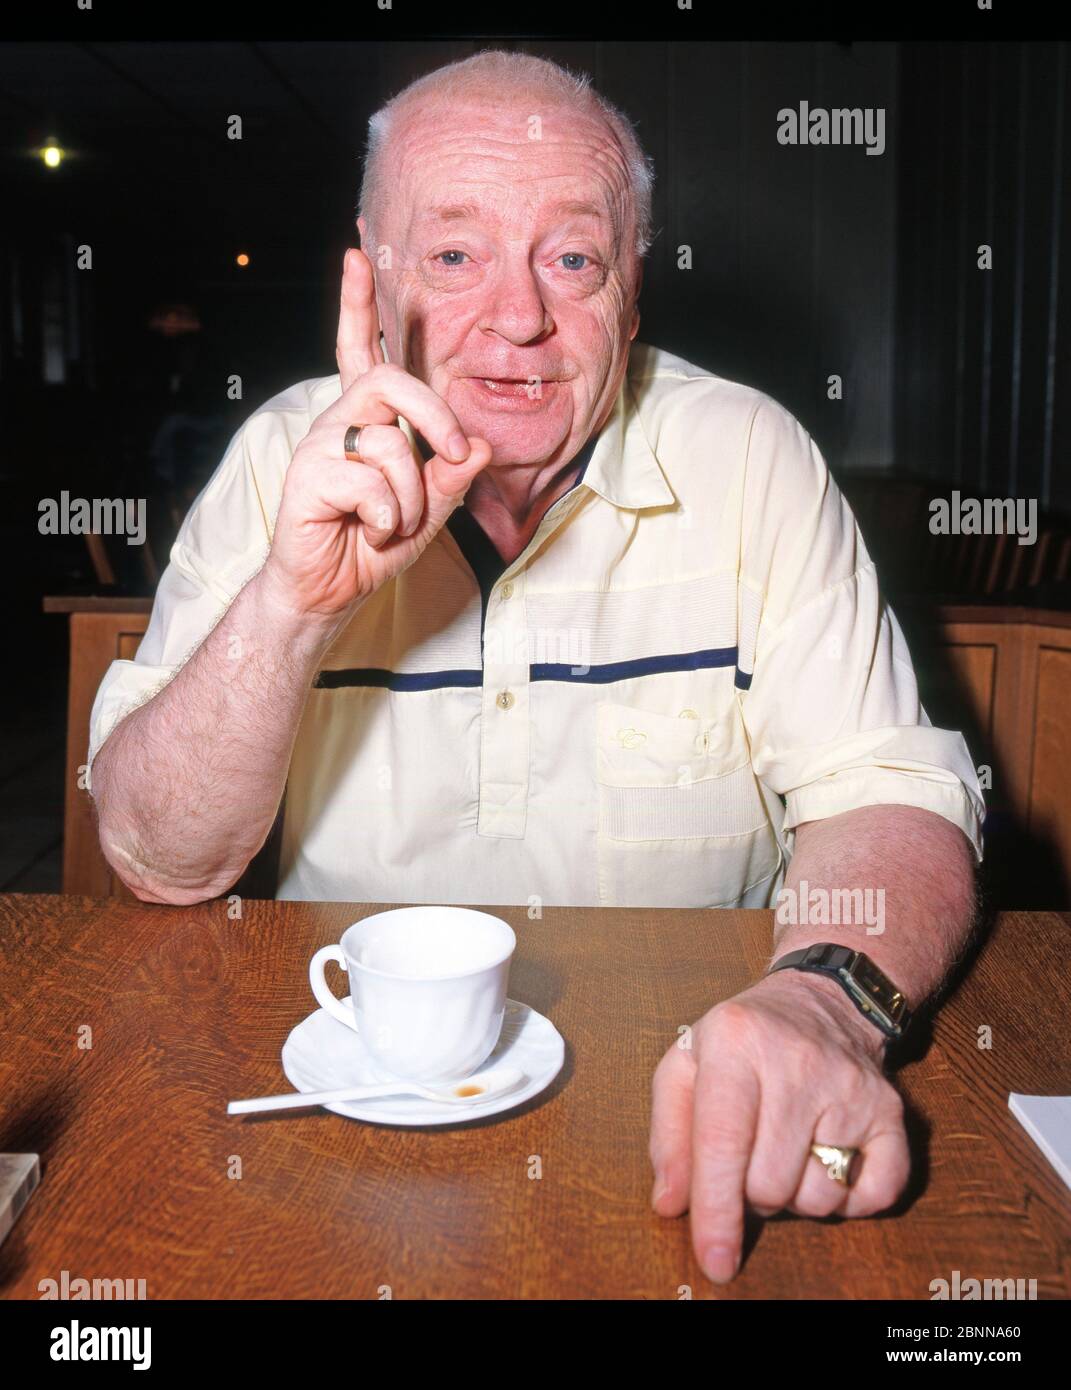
344, 529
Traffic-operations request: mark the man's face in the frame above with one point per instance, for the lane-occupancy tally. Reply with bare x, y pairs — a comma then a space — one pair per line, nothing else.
513, 281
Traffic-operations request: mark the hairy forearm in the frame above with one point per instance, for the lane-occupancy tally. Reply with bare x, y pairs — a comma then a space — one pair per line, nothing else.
188, 785
919, 869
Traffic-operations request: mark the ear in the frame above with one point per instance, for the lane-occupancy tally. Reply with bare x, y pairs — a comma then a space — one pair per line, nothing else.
362, 229
636, 303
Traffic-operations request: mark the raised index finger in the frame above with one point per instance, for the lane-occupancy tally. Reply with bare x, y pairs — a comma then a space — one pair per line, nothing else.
357, 347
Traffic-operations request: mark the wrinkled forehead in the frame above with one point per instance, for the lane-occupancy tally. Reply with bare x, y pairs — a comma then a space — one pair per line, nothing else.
510, 162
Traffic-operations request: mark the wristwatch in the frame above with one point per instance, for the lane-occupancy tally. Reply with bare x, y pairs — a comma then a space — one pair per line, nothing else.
872, 993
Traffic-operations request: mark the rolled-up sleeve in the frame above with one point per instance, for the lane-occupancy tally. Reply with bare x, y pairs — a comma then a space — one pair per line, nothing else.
832, 710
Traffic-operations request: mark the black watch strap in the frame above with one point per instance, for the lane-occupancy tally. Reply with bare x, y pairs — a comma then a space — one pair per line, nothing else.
872, 992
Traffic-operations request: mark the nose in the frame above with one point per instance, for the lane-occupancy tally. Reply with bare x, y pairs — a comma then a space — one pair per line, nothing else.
515, 308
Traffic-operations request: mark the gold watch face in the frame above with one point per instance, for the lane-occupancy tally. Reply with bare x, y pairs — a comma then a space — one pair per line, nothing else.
877, 989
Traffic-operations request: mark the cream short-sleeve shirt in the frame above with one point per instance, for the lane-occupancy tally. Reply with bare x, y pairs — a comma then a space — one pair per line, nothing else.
690, 658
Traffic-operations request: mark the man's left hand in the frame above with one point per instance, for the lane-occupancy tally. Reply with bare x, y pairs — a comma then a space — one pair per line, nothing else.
787, 1063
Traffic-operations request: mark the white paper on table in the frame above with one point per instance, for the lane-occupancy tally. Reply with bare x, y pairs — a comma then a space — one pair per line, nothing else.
19, 1176
1047, 1119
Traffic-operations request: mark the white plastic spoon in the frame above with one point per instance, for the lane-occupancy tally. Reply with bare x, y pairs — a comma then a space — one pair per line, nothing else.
468, 1091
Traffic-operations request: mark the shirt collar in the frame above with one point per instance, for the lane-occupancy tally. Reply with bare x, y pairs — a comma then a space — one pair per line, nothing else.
623, 468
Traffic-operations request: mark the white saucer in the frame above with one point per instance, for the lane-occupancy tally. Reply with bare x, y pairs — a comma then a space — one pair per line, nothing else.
322, 1054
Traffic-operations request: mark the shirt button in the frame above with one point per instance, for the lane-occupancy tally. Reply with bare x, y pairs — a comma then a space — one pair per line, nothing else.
507, 589
505, 700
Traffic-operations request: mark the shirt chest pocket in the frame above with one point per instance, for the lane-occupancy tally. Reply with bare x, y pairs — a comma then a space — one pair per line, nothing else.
682, 822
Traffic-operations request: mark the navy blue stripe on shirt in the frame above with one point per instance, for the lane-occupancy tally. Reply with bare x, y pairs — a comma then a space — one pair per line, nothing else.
543, 671
397, 680
625, 670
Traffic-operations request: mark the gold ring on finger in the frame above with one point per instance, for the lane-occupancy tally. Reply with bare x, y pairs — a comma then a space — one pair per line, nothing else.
837, 1159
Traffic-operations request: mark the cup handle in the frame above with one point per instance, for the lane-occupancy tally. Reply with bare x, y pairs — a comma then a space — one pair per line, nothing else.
334, 1006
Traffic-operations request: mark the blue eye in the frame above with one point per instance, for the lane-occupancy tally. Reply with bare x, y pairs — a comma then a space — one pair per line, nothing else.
573, 256
441, 254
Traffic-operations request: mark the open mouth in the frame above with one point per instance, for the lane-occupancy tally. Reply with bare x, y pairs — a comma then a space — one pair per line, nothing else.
527, 388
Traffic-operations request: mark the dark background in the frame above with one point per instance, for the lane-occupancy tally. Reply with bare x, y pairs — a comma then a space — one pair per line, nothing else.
806, 262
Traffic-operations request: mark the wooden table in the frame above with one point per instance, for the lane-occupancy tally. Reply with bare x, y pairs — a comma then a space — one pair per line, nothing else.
189, 1009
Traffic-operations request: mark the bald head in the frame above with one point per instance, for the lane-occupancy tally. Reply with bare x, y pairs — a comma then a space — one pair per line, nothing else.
483, 82
506, 209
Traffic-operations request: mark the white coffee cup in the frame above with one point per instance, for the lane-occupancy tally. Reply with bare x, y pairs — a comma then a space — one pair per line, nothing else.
427, 988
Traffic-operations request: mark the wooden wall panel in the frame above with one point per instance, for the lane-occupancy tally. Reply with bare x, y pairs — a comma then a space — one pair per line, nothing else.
974, 666
1048, 813
1004, 684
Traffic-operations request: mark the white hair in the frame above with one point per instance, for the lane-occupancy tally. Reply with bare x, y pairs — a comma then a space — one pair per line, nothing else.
493, 72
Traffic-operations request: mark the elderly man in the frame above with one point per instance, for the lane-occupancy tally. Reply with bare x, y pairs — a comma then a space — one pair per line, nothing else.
517, 609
